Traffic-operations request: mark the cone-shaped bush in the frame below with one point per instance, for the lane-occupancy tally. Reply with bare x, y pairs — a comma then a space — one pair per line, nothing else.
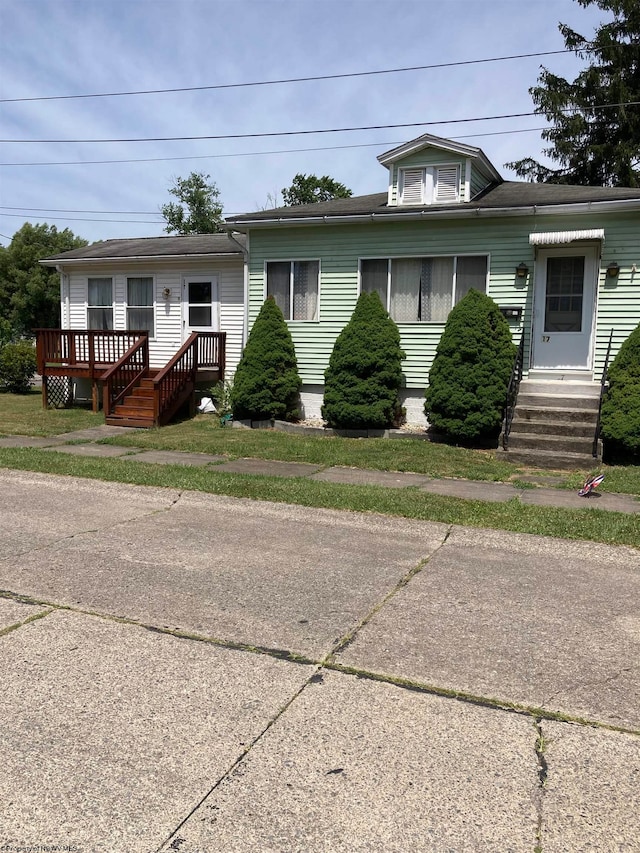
364, 373
471, 370
621, 404
266, 382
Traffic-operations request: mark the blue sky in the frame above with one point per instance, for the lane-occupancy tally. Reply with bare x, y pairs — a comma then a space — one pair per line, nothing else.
70, 47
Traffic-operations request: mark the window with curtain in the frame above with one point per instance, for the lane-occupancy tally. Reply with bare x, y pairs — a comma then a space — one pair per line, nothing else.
294, 285
140, 304
423, 290
100, 303
374, 276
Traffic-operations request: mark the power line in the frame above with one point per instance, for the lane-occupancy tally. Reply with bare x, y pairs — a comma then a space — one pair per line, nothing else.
79, 219
301, 132
73, 210
317, 77
258, 153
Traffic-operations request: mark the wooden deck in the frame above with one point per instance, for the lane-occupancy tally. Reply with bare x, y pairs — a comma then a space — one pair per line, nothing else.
117, 364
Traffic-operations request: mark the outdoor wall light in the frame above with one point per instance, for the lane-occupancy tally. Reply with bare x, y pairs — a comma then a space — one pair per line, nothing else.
613, 270
167, 293
522, 270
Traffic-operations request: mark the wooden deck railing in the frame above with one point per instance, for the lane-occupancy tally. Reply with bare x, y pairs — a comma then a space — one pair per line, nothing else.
89, 350
178, 376
212, 347
120, 359
124, 375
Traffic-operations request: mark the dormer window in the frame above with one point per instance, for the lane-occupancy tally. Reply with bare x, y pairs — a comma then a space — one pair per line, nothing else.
430, 185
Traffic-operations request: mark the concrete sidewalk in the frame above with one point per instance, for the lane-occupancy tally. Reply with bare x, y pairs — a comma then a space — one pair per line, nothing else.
466, 489
190, 672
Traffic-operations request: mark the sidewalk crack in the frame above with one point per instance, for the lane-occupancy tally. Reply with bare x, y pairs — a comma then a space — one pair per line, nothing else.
345, 641
174, 841
91, 530
600, 683
33, 618
541, 745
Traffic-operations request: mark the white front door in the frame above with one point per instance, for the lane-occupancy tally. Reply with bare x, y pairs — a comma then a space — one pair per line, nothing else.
199, 304
564, 307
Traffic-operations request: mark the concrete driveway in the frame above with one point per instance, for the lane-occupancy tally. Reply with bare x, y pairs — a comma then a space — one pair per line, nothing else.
199, 673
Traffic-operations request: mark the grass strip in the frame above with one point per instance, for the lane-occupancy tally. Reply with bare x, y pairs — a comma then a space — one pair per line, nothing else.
589, 524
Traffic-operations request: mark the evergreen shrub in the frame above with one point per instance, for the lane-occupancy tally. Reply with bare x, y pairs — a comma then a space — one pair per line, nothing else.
470, 372
364, 373
17, 365
620, 419
266, 383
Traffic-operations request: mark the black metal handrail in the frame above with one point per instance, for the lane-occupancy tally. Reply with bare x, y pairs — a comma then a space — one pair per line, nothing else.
512, 393
603, 383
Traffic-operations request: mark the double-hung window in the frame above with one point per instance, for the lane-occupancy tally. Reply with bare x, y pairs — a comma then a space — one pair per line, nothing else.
423, 290
294, 285
100, 303
430, 185
140, 304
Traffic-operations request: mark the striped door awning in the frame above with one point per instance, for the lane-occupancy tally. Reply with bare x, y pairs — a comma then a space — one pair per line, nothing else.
559, 238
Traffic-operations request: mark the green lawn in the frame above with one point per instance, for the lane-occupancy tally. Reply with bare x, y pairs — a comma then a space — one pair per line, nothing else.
590, 524
24, 415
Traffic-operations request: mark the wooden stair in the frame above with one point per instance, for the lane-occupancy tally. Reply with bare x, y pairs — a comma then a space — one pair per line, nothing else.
137, 408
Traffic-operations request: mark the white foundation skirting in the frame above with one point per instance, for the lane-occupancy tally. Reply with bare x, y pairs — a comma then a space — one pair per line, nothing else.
412, 399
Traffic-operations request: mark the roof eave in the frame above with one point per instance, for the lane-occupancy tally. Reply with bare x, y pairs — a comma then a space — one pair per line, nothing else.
60, 261
560, 208
426, 141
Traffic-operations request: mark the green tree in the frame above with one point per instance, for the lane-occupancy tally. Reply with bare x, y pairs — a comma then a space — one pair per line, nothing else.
266, 382
17, 366
470, 372
364, 373
199, 210
620, 417
29, 292
308, 189
595, 132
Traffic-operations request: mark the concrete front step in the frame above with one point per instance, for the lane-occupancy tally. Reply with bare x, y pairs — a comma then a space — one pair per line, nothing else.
548, 459
561, 389
552, 443
546, 401
559, 416
539, 374
578, 429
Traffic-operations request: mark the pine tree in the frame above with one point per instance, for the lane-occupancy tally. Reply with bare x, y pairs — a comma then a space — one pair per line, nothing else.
266, 383
470, 372
364, 373
595, 132
620, 417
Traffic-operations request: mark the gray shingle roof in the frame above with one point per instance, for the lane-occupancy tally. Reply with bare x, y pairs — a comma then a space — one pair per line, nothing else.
155, 247
504, 195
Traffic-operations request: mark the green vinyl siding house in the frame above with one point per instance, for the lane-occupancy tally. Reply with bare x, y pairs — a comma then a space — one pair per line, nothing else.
563, 262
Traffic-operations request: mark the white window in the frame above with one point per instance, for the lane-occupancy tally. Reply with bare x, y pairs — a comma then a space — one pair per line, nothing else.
430, 185
413, 186
423, 290
140, 304
294, 285
100, 303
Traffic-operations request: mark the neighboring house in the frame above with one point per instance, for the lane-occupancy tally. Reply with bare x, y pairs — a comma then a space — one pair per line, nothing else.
167, 286
563, 262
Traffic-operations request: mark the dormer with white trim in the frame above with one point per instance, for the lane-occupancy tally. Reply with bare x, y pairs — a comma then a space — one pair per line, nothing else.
431, 170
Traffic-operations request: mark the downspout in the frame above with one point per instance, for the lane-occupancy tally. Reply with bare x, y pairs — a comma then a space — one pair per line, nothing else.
245, 255
65, 296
